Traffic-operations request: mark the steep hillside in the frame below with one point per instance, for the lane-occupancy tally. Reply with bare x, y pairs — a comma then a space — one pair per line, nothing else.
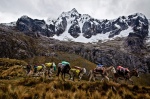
131, 51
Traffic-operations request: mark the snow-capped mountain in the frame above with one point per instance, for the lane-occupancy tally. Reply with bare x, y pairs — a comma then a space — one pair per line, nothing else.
9, 24
83, 28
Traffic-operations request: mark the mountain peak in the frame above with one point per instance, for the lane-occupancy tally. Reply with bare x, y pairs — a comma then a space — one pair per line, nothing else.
138, 15
24, 17
74, 10
84, 28
71, 13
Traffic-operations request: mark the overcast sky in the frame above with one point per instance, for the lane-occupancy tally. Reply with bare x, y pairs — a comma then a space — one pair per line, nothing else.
11, 10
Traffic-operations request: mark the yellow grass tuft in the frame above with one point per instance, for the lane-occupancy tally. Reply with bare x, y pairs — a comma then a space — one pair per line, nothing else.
31, 88
13, 71
6, 62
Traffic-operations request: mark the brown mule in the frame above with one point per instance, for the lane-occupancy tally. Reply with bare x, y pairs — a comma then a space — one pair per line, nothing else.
77, 71
103, 72
126, 76
63, 70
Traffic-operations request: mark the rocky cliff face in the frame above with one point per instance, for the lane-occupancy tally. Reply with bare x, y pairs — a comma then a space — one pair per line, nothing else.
34, 27
129, 52
114, 52
74, 25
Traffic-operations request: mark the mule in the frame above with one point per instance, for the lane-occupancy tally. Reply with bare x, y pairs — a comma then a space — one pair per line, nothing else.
103, 72
50, 68
126, 76
77, 71
38, 70
42, 70
63, 70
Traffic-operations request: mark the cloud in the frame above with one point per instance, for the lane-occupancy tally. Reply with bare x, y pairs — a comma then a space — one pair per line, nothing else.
42, 9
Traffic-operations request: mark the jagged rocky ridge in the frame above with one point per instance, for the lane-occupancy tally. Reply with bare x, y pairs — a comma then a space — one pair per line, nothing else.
77, 24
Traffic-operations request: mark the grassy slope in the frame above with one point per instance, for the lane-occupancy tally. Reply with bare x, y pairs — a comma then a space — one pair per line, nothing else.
19, 87
75, 60
7, 69
36, 88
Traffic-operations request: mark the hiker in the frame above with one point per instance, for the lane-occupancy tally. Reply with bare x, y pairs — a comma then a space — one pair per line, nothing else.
35, 68
28, 68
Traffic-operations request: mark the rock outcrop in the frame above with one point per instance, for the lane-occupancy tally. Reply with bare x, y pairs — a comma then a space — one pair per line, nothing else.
34, 27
